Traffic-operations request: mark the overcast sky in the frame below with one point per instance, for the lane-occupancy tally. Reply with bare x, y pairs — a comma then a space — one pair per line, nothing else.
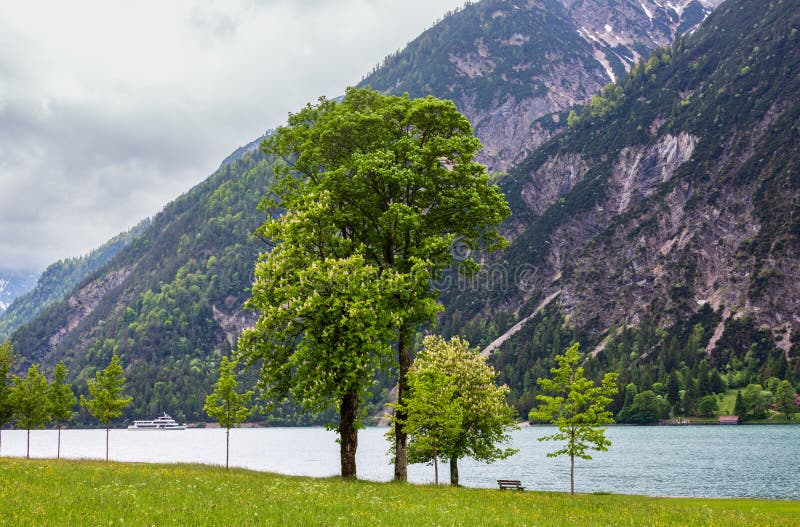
110, 109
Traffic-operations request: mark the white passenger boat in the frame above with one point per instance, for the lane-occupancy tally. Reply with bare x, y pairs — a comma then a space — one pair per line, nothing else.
164, 422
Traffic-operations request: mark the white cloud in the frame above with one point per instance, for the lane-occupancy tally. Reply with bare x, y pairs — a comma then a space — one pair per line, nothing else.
109, 109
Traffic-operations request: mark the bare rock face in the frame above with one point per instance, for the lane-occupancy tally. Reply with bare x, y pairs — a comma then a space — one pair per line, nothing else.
507, 65
83, 302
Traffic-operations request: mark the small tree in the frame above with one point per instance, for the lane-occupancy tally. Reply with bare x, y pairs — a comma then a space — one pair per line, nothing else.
454, 409
786, 399
708, 405
754, 401
107, 402
60, 401
577, 407
739, 408
226, 404
674, 391
6, 410
29, 400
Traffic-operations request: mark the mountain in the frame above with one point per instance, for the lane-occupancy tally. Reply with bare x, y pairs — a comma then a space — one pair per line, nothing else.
13, 285
507, 64
57, 280
655, 224
662, 229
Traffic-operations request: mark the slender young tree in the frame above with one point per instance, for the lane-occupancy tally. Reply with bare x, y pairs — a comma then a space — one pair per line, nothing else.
577, 407
6, 409
454, 409
106, 401
29, 400
403, 184
226, 404
60, 401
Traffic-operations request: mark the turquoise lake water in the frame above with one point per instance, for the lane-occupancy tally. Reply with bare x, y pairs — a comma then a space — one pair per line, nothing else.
724, 461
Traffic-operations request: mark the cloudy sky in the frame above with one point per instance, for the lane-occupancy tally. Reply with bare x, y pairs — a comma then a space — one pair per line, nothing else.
110, 109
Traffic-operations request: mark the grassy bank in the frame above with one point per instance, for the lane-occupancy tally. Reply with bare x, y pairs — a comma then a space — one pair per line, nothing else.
49, 492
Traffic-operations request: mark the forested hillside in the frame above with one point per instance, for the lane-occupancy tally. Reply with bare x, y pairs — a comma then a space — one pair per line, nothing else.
170, 302
664, 223
59, 279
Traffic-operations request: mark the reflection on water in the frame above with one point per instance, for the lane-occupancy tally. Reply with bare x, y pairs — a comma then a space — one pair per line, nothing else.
733, 461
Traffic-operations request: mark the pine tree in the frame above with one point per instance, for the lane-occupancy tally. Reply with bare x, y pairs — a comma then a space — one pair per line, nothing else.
739, 407
674, 391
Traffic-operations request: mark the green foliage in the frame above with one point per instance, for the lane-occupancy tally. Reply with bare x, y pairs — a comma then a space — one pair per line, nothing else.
739, 408
708, 406
388, 172
28, 399
60, 398
453, 409
225, 404
577, 407
786, 399
754, 401
106, 401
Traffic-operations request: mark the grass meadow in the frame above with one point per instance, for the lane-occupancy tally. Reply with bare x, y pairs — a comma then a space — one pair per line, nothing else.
49, 493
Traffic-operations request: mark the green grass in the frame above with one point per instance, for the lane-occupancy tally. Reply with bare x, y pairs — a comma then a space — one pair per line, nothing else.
49, 492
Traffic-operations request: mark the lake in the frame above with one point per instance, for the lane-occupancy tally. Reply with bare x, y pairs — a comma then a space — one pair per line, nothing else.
724, 461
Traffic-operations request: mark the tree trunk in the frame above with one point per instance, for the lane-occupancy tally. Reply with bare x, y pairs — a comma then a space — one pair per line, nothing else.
348, 433
404, 363
572, 461
572, 474
107, 427
454, 471
58, 450
436, 469
28, 452
227, 446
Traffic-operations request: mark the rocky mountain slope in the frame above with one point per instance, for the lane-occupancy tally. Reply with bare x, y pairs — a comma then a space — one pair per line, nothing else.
507, 64
58, 280
670, 208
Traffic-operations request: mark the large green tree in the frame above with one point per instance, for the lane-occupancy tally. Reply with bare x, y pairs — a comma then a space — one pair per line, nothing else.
29, 400
106, 401
454, 409
226, 404
6, 410
577, 407
322, 330
403, 186
60, 400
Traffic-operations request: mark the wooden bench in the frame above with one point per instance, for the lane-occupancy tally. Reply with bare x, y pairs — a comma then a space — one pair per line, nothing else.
510, 484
